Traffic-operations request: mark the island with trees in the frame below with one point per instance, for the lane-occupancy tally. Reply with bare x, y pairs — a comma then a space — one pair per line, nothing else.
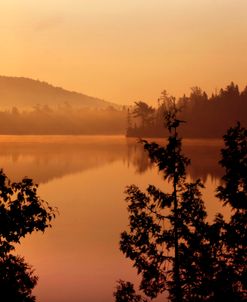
174, 248
207, 117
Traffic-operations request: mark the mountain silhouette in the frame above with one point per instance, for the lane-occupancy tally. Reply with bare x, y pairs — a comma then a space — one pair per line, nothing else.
26, 93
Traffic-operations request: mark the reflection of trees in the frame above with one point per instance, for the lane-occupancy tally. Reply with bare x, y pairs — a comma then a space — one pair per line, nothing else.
169, 240
137, 157
204, 155
46, 158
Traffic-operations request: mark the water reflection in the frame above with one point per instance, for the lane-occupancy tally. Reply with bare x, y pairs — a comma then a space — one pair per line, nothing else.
45, 158
204, 155
85, 178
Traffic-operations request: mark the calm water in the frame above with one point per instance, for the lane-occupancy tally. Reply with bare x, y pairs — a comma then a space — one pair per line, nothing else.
78, 258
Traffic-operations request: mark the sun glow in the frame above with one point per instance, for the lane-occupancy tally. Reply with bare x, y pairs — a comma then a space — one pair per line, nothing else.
125, 50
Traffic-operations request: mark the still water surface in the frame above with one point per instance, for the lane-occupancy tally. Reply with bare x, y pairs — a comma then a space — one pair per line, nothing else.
84, 176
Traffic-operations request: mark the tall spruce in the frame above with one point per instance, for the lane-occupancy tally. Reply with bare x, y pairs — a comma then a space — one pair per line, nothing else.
233, 192
166, 236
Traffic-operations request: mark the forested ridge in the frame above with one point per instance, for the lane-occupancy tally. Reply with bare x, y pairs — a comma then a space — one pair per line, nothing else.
207, 116
30, 106
64, 120
169, 239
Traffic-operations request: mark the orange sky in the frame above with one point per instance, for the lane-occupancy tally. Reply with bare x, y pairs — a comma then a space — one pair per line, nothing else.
124, 51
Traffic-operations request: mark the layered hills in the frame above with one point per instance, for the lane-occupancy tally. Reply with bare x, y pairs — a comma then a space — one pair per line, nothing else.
25, 93
33, 107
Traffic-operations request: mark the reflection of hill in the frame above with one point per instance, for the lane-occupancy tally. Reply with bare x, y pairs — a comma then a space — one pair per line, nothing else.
44, 158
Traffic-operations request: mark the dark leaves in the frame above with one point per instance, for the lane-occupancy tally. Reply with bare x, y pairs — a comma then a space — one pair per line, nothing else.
211, 258
22, 211
125, 292
16, 280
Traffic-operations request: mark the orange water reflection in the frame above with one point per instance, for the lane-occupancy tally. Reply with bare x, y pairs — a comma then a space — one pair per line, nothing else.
78, 259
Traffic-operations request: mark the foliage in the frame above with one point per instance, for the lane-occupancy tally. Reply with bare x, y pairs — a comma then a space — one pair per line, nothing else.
62, 120
169, 240
234, 160
16, 280
208, 116
143, 111
144, 115
125, 293
233, 192
22, 211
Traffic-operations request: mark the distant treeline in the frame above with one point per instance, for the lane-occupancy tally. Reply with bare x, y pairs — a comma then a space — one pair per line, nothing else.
205, 116
63, 120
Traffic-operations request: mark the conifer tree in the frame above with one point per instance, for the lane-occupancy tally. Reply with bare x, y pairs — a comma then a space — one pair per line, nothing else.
167, 229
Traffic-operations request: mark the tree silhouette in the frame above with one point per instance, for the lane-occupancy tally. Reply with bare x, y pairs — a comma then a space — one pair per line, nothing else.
208, 116
144, 112
233, 192
22, 211
169, 240
16, 280
125, 293
161, 235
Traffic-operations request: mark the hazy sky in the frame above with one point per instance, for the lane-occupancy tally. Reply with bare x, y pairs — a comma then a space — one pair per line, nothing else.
126, 50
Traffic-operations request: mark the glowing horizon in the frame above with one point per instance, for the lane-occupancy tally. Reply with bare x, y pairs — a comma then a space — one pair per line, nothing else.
126, 51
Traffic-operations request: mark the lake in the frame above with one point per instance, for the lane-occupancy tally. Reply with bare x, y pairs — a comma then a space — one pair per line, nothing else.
78, 259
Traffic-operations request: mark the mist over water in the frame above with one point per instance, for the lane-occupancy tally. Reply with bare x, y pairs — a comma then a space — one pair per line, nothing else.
45, 157
85, 176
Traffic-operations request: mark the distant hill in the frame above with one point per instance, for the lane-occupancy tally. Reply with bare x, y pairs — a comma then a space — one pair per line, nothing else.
26, 93
32, 107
